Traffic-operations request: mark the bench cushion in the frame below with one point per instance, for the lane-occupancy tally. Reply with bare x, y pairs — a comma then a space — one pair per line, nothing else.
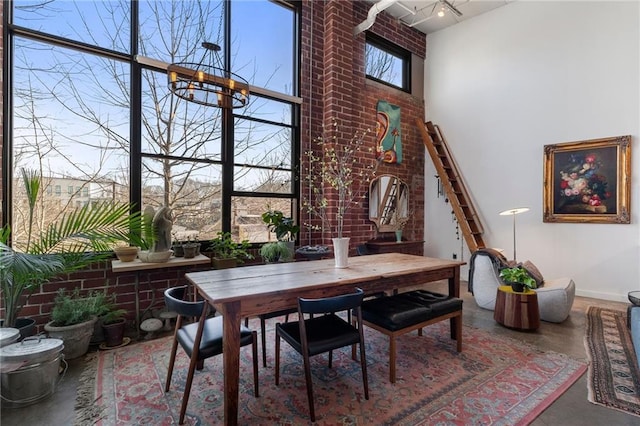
407, 309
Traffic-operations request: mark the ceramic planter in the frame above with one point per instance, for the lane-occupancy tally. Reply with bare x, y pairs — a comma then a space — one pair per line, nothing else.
76, 337
114, 332
223, 263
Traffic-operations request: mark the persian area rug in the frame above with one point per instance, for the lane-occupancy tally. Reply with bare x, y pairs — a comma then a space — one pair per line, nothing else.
614, 377
493, 381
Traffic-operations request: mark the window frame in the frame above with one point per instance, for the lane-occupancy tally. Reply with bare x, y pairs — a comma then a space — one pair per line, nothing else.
394, 50
228, 161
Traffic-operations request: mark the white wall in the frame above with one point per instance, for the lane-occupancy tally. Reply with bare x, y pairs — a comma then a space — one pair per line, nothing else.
504, 84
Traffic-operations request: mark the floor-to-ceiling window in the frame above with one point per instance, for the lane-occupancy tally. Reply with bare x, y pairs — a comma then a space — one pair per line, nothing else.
92, 113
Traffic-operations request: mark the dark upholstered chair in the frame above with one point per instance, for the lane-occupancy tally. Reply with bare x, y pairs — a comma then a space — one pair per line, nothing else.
362, 250
320, 330
263, 328
200, 340
405, 312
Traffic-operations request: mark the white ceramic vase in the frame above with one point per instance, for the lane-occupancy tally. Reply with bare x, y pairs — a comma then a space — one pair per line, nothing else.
341, 251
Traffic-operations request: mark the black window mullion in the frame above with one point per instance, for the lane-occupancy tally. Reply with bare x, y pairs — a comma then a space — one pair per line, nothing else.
227, 133
135, 126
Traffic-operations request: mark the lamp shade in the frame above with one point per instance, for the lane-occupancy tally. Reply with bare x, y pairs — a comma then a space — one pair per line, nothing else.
514, 211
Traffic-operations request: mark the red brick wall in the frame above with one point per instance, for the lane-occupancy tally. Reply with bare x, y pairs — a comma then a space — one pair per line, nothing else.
333, 86
337, 89
100, 278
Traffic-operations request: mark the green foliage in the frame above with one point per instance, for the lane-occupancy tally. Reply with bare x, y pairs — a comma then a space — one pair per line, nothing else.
113, 316
284, 227
518, 275
223, 247
275, 251
70, 309
79, 238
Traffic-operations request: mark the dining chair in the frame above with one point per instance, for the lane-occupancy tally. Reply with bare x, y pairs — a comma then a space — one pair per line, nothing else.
200, 340
319, 329
263, 327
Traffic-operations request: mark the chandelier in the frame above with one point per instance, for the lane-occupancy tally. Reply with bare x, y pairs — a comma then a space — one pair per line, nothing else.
209, 83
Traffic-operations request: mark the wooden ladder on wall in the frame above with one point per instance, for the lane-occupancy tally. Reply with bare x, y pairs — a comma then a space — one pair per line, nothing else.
454, 188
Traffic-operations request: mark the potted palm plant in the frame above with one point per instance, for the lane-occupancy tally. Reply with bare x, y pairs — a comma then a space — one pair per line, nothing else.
80, 238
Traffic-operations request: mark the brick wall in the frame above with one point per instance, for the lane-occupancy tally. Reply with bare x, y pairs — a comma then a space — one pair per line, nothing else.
337, 89
333, 86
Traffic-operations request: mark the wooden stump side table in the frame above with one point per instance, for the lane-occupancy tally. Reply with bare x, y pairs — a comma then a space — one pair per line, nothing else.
517, 310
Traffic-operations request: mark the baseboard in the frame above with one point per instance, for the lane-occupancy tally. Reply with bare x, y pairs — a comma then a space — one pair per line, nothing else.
614, 297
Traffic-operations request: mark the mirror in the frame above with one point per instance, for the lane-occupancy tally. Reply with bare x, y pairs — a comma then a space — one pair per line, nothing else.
387, 195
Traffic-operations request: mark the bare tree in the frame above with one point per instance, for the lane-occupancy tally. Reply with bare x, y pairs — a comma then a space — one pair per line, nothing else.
181, 141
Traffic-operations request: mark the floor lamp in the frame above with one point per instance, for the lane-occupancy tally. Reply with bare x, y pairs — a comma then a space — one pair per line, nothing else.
514, 212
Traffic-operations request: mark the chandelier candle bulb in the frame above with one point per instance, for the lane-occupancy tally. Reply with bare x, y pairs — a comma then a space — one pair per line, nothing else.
208, 82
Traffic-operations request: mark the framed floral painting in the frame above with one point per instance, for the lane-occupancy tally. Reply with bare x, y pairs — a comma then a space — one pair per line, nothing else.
588, 181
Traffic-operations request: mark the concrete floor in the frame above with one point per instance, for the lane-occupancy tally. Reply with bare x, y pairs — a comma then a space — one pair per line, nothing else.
572, 408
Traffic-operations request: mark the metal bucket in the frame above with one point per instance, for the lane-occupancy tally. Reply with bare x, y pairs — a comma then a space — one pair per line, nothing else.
31, 370
8, 336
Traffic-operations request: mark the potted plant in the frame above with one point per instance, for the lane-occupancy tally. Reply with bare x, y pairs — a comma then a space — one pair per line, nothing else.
518, 278
113, 326
275, 251
191, 248
80, 238
399, 222
284, 227
226, 253
73, 318
333, 166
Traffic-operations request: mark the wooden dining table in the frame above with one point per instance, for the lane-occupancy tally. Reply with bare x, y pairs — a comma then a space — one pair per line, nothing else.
237, 293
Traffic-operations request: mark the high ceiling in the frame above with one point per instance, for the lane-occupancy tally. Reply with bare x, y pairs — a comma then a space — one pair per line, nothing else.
423, 14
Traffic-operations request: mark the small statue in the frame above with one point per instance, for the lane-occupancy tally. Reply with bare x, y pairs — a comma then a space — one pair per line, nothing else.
162, 223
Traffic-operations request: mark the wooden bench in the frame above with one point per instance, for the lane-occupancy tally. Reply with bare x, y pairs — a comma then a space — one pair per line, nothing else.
405, 312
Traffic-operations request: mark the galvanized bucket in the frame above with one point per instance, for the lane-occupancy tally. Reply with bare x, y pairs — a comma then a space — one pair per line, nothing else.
30, 370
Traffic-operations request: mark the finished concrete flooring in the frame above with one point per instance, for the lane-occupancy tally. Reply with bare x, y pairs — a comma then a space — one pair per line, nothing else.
572, 408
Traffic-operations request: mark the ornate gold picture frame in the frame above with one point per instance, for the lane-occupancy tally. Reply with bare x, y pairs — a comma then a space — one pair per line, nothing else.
588, 181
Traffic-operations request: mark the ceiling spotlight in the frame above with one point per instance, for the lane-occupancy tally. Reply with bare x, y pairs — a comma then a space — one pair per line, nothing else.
441, 12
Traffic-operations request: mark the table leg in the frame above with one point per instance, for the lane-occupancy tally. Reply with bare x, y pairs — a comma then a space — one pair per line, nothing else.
231, 358
454, 291
137, 289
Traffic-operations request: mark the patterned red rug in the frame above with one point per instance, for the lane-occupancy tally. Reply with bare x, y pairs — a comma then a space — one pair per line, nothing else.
614, 376
494, 381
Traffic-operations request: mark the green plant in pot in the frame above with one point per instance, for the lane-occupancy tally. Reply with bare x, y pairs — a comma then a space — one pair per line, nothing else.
518, 278
73, 318
113, 325
284, 227
79, 238
276, 251
228, 253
